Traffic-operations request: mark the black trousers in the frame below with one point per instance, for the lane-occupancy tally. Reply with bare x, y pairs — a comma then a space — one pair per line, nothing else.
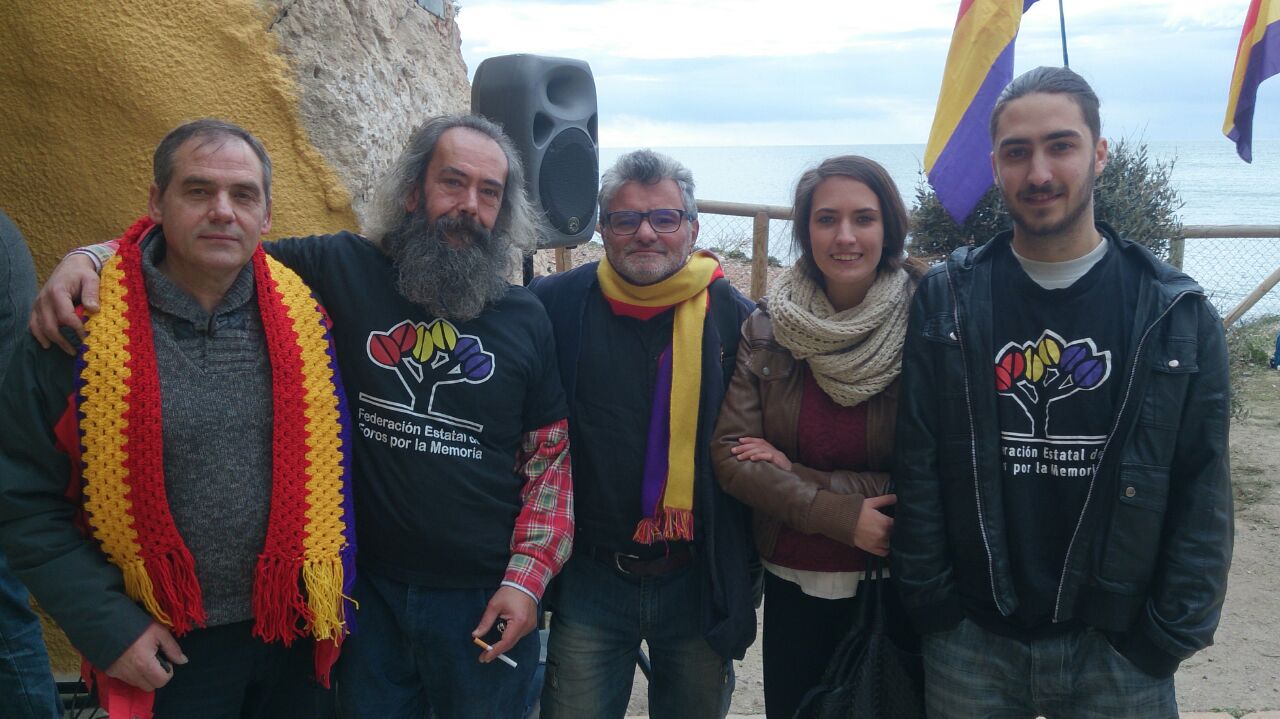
230, 674
800, 635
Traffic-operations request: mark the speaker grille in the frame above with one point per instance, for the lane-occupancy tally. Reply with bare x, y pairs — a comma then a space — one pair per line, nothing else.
567, 181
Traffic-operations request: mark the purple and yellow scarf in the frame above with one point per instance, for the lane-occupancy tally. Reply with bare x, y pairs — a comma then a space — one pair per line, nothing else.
666, 495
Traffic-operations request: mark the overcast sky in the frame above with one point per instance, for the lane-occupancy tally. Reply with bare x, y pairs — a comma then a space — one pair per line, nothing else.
845, 72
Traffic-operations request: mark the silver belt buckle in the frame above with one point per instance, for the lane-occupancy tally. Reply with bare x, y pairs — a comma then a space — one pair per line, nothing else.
617, 561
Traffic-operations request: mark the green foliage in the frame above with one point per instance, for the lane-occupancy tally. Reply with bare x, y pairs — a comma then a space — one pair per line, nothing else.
1250, 346
1133, 194
774, 261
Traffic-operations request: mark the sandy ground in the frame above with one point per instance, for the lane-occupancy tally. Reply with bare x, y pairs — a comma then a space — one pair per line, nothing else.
1241, 672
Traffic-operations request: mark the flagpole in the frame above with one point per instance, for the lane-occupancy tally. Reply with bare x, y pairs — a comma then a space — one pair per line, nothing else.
1062, 22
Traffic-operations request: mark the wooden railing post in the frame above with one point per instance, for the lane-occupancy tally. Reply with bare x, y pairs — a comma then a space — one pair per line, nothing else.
1248, 302
564, 259
1176, 248
760, 256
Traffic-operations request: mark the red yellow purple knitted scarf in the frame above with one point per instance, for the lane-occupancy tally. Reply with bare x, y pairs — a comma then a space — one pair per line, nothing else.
304, 573
666, 493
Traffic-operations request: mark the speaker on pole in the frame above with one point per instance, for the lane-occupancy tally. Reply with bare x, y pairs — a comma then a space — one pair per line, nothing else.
547, 105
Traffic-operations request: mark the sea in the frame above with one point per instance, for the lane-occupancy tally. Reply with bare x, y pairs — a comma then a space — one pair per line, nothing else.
1215, 185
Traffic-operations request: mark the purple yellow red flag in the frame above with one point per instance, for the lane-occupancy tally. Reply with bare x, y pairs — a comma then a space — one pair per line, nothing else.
979, 66
1257, 59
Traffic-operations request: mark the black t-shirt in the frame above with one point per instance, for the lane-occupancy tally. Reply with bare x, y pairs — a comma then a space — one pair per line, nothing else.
438, 410
617, 372
1059, 359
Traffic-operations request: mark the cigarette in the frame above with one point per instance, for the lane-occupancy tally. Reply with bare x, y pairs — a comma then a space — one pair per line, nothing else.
505, 659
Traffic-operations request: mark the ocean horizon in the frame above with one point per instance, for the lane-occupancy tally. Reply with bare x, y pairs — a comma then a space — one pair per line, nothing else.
1215, 185
1218, 188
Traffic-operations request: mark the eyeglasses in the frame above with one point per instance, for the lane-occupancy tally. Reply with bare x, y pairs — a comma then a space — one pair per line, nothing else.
626, 222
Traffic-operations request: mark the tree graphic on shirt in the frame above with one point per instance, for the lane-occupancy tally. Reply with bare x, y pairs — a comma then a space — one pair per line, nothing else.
1037, 374
429, 355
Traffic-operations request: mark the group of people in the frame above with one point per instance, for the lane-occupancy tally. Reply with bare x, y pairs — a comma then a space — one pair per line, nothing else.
255, 463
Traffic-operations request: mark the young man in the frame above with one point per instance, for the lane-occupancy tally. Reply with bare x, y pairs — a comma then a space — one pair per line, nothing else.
185, 474
1064, 519
646, 340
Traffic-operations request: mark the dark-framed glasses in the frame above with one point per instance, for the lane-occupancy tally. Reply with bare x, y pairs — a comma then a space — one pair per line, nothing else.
626, 222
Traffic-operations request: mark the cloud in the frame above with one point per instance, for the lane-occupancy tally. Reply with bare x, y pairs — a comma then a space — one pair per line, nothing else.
680, 29
724, 72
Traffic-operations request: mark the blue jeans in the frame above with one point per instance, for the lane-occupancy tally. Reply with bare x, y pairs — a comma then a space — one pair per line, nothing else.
27, 688
411, 653
971, 673
599, 619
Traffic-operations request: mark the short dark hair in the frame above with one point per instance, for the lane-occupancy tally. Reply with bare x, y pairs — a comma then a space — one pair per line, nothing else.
870, 173
208, 129
1052, 80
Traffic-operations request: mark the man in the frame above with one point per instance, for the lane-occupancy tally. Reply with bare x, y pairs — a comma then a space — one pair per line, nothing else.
1064, 519
461, 468
646, 340
198, 440
27, 686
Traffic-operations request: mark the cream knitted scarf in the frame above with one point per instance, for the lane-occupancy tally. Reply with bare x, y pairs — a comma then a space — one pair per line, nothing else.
853, 354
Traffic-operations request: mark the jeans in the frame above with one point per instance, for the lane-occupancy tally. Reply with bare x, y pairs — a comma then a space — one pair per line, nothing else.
411, 653
599, 620
971, 673
230, 674
27, 688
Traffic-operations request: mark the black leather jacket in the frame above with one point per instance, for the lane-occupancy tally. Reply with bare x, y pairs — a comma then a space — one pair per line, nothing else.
1149, 558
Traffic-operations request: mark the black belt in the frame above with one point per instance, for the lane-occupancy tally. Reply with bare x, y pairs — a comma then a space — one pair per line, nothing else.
678, 558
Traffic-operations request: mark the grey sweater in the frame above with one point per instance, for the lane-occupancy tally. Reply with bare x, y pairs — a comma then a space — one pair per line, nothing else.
215, 389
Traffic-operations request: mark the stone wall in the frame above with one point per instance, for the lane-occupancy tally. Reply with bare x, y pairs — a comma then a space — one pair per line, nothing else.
332, 87
368, 72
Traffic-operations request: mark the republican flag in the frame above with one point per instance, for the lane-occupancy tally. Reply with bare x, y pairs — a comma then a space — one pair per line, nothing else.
1257, 59
979, 65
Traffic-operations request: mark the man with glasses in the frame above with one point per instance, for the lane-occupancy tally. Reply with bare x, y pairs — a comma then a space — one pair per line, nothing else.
646, 340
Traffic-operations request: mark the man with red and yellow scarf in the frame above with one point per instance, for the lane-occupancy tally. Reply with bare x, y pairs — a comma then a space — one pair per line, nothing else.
177, 493
646, 341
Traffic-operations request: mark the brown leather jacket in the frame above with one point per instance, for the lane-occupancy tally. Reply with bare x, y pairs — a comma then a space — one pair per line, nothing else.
763, 400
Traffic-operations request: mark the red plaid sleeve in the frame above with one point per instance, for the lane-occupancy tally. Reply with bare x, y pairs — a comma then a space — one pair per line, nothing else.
543, 536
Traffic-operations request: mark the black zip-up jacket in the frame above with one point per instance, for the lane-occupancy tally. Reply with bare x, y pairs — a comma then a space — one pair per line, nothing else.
1148, 561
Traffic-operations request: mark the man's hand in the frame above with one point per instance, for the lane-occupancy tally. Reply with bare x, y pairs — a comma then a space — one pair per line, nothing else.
874, 527
520, 613
756, 449
140, 666
73, 278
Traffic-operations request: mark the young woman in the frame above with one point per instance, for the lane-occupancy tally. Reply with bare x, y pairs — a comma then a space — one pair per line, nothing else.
805, 435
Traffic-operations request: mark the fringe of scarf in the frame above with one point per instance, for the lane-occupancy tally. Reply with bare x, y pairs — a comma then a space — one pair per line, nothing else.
667, 488
304, 574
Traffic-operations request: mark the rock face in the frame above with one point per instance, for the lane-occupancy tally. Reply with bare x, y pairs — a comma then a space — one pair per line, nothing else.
368, 72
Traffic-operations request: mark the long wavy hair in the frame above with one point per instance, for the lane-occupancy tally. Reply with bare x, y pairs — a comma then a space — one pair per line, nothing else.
517, 220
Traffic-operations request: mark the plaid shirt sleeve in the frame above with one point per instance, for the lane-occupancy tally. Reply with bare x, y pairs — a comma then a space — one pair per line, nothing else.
543, 535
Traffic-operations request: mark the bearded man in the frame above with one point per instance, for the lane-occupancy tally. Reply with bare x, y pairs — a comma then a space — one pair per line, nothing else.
461, 474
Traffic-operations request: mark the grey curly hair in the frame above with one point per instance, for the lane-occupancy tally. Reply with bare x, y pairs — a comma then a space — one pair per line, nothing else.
517, 219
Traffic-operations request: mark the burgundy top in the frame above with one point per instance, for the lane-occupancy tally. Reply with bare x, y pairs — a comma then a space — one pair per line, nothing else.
829, 437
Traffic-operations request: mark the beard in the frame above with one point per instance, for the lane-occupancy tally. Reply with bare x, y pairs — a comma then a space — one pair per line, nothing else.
1033, 228
453, 267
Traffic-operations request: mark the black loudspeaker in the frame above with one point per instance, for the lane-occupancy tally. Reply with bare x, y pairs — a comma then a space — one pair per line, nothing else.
547, 105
